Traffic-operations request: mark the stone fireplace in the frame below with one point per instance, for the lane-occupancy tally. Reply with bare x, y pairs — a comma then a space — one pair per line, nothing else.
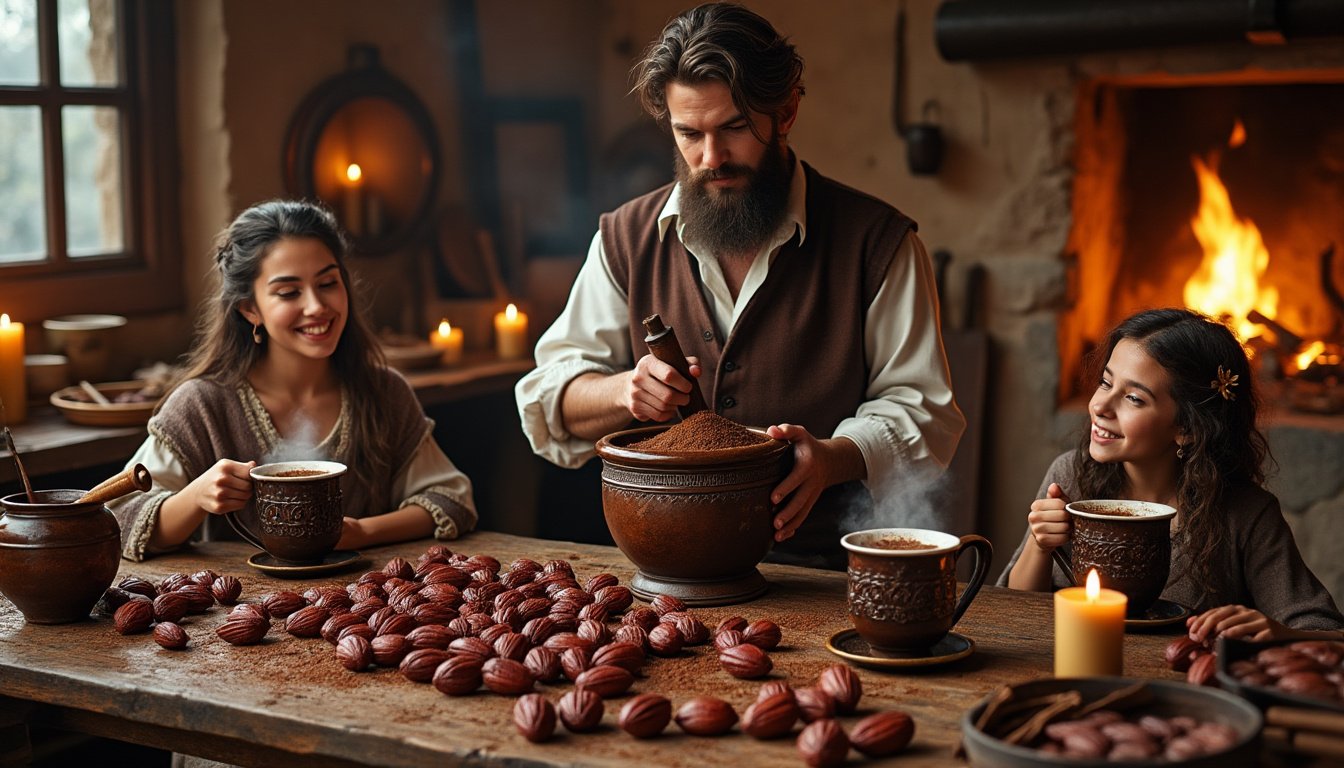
1132, 148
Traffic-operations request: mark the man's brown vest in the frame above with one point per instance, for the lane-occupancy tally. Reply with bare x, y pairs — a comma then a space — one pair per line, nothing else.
796, 353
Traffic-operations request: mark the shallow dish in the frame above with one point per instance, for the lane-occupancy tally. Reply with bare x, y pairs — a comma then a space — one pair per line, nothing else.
850, 646
412, 357
79, 409
1169, 699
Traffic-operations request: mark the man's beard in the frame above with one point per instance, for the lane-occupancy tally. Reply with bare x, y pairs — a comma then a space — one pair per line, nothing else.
736, 221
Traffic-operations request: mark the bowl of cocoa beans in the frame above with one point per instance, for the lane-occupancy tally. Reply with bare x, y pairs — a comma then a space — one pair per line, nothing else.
1096, 721
690, 505
1297, 673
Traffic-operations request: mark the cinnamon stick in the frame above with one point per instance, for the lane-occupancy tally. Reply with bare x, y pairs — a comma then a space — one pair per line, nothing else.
135, 478
1121, 698
1299, 718
1028, 731
1001, 696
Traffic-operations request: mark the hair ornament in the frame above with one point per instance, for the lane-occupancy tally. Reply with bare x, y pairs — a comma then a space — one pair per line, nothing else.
1225, 383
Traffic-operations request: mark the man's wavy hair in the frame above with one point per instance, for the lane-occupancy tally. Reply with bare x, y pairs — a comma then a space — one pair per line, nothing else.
1224, 447
721, 42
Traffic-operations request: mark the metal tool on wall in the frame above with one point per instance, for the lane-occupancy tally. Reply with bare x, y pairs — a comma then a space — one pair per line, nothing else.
924, 145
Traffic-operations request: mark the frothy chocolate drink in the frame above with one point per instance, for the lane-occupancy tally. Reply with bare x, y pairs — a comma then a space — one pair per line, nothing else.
1110, 511
300, 473
901, 542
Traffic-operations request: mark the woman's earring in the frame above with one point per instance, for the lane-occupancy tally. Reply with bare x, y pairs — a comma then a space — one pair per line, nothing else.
256, 333
1180, 449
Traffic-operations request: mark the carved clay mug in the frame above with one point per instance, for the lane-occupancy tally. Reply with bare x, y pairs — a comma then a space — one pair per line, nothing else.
903, 585
1128, 542
299, 511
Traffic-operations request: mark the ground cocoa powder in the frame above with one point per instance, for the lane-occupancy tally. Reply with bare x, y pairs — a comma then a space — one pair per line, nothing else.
901, 542
701, 431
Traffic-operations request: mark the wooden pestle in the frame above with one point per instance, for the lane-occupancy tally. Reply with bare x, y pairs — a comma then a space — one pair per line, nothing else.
663, 344
135, 478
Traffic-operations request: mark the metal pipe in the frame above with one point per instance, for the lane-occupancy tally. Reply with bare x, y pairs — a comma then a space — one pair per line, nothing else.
969, 30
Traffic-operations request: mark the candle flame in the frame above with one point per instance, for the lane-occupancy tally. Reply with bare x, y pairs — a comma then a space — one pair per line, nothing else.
445, 327
4, 320
1093, 585
1238, 136
511, 313
353, 172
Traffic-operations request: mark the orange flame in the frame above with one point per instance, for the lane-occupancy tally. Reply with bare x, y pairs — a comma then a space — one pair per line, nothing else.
1227, 282
1093, 588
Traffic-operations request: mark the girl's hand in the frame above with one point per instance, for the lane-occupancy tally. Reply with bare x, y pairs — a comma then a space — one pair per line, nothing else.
1236, 621
352, 534
1051, 526
223, 488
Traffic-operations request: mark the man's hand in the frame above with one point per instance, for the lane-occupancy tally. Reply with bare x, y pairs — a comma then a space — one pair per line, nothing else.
817, 465
655, 389
223, 488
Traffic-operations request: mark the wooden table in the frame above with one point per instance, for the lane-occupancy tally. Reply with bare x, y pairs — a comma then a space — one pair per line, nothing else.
288, 702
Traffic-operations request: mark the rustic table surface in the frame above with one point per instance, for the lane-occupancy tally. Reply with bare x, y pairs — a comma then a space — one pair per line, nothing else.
288, 702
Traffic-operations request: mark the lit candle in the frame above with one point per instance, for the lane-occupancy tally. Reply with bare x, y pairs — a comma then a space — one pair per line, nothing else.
511, 333
13, 384
354, 199
448, 340
1089, 630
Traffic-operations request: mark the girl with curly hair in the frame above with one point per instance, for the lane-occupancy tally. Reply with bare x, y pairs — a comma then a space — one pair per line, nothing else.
1173, 420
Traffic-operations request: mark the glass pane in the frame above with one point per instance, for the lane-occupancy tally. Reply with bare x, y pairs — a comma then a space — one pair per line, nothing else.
93, 182
18, 42
88, 34
23, 226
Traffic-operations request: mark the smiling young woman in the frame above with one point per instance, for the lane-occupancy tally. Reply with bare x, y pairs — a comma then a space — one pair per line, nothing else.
286, 367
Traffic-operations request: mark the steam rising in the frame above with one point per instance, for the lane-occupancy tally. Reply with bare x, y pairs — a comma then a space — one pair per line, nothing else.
300, 446
915, 496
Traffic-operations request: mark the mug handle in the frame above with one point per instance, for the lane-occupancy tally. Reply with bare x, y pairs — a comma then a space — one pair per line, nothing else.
240, 528
984, 552
1062, 559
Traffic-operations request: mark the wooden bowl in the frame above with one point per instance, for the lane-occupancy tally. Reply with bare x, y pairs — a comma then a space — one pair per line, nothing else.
412, 357
695, 524
1170, 699
79, 409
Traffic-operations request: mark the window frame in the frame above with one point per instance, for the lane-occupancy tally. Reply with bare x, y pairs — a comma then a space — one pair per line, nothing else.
146, 274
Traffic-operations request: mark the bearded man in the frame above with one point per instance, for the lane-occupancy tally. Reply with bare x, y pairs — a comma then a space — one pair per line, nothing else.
803, 304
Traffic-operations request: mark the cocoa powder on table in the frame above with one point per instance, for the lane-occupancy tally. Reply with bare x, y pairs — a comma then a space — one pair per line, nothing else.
701, 431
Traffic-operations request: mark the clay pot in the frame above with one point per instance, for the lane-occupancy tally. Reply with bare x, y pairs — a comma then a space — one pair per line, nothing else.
695, 524
57, 556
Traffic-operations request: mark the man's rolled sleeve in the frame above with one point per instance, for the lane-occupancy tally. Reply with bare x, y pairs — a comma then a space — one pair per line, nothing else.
539, 395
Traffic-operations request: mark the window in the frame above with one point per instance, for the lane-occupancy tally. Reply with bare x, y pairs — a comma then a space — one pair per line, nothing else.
88, 221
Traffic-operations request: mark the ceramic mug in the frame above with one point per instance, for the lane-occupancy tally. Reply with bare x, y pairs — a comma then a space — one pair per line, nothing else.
1127, 542
299, 510
902, 595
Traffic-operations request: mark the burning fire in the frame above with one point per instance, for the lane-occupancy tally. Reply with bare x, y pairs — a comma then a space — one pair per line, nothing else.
1227, 282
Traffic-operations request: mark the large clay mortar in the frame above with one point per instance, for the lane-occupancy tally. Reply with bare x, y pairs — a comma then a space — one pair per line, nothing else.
57, 556
694, 524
